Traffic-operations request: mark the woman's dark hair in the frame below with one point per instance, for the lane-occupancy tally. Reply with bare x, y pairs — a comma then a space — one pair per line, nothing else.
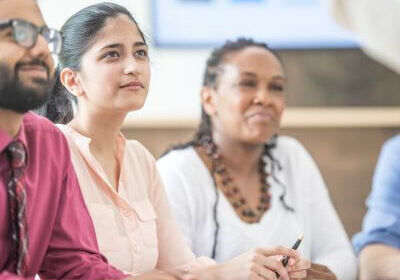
204, 130
78, 33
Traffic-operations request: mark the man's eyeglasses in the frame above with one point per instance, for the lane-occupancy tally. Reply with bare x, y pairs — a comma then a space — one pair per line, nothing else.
25, 34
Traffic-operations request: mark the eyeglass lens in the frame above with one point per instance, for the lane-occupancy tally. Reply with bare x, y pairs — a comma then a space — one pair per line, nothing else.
26, 35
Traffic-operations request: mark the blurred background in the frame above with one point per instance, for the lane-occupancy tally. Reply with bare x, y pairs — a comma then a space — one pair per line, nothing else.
340, 104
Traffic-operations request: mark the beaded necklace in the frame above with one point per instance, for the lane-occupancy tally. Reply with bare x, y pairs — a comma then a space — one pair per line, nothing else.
229, 188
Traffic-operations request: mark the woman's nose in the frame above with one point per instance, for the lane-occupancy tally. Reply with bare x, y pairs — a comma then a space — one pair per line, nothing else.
131, 67
262, 97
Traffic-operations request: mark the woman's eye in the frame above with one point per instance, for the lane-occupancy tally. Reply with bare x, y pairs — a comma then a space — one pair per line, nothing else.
248, 83
276, 87
112, 54
141, 53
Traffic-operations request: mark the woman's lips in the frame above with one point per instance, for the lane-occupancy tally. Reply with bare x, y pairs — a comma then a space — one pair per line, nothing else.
263, 117
133, 85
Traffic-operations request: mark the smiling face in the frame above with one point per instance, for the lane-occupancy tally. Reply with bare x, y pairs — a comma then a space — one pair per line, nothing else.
248, 100
26, 74
115, 71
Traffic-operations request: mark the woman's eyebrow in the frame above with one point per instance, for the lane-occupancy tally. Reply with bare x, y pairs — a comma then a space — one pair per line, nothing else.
275, 77
248, 74
119, 45
279, 77
139, 44
111, 46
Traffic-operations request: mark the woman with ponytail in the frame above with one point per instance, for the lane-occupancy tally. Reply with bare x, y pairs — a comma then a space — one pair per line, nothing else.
237, 185
104, 70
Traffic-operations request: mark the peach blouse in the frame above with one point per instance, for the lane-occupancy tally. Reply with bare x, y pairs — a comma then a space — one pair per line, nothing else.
135, 228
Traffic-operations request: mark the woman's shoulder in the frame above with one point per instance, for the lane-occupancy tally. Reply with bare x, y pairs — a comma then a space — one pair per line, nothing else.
178, 158
70, 133
183, 169
62, 127
291, 153
184, 166
136, 146
290, 146
69, 136
138, 151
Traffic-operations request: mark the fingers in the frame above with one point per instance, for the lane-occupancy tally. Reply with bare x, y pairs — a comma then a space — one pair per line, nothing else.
299, 269
279, 250
272, 265
277, 266
259, 272
264, 258
302, 264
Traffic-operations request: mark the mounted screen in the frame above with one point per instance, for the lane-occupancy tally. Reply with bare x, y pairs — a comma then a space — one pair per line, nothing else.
285, 24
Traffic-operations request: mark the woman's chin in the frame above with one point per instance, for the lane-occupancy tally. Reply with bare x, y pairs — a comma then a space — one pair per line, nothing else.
132, 106
261, 138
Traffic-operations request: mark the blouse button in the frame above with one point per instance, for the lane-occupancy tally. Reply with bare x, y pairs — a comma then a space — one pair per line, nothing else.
135, 249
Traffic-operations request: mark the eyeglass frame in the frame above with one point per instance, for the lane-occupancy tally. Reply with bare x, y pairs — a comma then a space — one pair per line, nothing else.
38, 31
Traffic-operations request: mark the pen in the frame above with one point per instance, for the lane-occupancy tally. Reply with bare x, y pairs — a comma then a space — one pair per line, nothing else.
285, 260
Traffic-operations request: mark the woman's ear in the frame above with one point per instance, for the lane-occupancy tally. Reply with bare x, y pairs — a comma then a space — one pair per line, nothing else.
71, 81
208, 100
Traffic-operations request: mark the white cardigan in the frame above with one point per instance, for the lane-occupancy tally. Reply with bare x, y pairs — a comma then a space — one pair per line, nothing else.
191, 192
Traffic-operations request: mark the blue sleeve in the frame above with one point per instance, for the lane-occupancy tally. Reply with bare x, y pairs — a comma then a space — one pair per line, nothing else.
382, 222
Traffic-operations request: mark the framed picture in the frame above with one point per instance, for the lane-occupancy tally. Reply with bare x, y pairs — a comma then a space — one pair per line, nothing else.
284, 24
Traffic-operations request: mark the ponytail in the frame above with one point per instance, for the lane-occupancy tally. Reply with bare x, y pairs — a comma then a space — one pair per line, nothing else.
59, 108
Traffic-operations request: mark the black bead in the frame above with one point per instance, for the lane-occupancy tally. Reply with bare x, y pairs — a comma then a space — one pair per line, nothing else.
248, 213
220, 169
226, 181
228, 186
236, 204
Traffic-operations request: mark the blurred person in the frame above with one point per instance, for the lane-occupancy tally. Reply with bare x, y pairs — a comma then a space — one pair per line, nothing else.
378, 26
376, 23
237, 185
45, 227
379, 241
104, 66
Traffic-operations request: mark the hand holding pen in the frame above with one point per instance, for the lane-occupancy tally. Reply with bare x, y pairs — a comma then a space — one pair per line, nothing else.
257, 264
285, 259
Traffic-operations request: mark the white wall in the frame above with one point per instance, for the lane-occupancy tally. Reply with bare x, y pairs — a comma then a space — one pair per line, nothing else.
176, 74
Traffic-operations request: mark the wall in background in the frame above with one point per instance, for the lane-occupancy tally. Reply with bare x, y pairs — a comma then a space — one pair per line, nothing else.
283, 23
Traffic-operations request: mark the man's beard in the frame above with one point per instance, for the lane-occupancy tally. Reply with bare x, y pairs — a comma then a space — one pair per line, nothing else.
16, 96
